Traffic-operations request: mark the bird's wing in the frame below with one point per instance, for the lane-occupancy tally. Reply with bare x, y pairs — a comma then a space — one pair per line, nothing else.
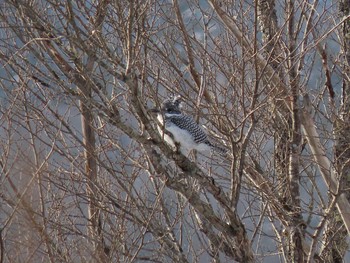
187, 123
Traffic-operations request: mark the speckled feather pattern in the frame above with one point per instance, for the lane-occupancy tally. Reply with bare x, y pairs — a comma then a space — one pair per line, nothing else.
184, 129
186, 122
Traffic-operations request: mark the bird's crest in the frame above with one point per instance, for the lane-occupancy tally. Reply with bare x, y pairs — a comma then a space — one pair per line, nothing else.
174, 104
177, 101
174, 100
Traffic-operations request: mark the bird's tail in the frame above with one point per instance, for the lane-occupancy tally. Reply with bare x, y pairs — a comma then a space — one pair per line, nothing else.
218, 149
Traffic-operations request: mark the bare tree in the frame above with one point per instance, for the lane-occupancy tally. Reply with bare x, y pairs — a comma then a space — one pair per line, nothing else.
335, 246
86, 176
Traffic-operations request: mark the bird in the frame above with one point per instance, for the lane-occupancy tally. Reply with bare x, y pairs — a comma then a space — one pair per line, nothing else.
181, 129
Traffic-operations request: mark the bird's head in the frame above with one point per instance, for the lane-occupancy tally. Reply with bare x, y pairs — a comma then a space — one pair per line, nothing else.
172, 105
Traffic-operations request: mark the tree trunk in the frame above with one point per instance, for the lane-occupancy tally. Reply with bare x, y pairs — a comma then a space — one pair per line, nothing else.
94, 212
287, 125
336, 233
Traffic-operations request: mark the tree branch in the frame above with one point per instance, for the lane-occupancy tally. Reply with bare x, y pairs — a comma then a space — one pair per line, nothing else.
326, 169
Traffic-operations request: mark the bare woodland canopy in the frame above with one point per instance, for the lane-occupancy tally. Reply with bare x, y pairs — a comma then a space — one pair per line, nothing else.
86, 177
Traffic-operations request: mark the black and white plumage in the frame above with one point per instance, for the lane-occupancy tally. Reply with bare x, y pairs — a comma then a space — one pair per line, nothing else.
183, 129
